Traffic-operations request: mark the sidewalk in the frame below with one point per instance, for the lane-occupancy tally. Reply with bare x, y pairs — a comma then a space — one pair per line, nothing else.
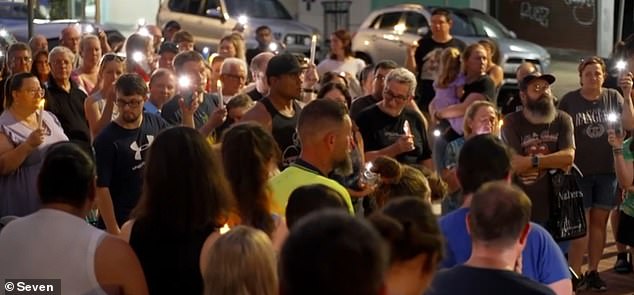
618, 284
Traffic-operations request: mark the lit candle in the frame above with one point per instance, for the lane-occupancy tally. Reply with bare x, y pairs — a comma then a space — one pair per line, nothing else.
220, 96
225, 229
41, 111
313, 48
406, 128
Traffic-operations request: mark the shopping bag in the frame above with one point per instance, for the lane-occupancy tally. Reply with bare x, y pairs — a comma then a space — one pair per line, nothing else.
567, 218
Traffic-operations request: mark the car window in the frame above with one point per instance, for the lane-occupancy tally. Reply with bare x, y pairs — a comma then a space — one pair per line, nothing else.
258, 9
389, 20
185, 6
211, 4
415, 21
487, 26
460, 26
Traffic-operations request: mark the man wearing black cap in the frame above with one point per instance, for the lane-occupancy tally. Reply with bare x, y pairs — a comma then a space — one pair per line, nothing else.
279, 111
542, 138
167, 52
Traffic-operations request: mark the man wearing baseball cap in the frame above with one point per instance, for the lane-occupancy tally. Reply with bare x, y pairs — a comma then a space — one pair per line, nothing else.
542, 137
279, 111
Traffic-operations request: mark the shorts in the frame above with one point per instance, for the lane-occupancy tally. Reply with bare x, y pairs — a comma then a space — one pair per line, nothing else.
625, 234
599, 191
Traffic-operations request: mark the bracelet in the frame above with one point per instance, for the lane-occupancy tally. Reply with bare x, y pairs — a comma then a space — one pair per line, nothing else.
617, 151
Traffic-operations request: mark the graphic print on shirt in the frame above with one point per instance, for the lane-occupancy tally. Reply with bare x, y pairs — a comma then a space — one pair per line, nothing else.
431, 65
594, 121
537, 144
291, 152
138, 147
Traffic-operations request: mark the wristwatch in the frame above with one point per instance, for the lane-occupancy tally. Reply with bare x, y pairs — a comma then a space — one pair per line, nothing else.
535, 161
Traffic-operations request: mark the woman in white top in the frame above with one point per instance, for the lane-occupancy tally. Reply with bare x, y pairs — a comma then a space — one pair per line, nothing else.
341, 58
99, 106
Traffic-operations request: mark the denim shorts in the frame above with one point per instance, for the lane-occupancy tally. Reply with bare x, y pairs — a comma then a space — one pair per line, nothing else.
599, 191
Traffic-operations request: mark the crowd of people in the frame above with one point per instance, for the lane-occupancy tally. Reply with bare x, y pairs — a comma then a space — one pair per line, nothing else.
149, 168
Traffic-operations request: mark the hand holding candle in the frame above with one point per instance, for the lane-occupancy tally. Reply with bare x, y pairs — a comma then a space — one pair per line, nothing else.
406, 128
220, 96
41, 111
313, 48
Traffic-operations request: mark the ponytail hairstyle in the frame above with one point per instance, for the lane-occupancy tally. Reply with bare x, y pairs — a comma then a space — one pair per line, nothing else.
449, 67
399, 180
409, 227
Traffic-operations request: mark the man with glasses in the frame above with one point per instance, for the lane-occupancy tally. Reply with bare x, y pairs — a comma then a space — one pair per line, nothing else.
389, 128
70, 38
18, 61
65, 99
120, 152
233, 76
542, 138
419, 60
381, 69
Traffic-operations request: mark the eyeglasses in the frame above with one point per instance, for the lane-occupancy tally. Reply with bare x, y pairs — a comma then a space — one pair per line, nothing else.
237, 77
39, 92
131, 103
388, 94
540, 87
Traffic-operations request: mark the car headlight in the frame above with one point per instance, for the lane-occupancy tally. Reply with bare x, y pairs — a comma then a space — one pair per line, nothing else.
290, 39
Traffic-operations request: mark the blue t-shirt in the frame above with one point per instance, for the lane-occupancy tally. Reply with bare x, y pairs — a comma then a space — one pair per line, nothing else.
542, 260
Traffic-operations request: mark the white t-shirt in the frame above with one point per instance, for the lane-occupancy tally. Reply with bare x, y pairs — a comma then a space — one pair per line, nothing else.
350, 65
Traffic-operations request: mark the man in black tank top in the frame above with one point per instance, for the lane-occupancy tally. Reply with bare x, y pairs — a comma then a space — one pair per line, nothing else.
279, 111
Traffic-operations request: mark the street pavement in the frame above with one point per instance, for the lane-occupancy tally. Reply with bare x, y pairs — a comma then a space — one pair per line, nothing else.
567, 80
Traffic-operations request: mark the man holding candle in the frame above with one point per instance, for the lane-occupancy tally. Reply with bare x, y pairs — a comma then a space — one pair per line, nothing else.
264, 36
383, 125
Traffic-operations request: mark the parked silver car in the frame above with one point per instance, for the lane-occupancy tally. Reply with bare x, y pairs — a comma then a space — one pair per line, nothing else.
210, 20
386, 34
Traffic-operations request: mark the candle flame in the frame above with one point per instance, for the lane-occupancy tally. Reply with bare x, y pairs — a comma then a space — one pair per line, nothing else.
41, 104
219, 84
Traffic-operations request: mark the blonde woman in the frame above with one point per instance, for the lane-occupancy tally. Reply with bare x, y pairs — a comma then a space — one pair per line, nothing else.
88, 72
232, 46
481, 117
99, 106
241, 262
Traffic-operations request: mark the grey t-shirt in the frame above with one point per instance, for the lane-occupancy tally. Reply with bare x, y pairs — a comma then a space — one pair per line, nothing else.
593, 154
543, 139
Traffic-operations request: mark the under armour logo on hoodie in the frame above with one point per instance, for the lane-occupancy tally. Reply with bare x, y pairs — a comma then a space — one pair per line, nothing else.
138, 149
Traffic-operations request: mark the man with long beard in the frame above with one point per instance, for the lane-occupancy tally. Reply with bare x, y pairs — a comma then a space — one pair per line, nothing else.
325, 131
542, 138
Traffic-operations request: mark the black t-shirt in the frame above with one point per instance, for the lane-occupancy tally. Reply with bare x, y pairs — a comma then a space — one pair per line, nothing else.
464, 279
380, 130
68, 107
427, 62
120, 157
360, 104
483, 85
171, 111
